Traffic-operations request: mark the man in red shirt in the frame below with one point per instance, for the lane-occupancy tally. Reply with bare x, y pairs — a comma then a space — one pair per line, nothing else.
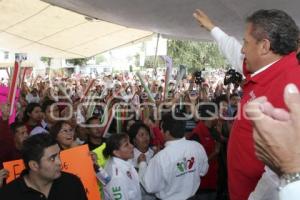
204, 134
11, 137
269, 61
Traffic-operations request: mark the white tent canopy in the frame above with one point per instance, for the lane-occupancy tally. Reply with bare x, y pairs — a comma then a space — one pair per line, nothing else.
33, 26
174, 17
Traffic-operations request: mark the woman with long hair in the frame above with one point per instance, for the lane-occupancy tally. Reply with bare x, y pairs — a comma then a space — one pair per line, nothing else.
32, 116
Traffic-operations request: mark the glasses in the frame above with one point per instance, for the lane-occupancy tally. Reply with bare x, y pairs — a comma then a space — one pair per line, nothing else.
66, 130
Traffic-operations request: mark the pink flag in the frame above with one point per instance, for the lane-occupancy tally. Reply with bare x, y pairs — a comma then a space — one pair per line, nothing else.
13, 86
3, 100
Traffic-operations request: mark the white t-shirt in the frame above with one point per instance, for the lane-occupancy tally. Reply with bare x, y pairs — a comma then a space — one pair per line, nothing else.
174, 172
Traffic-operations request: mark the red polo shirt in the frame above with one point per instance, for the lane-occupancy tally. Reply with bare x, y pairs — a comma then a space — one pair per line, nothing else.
209, 181
244, 169
8, 150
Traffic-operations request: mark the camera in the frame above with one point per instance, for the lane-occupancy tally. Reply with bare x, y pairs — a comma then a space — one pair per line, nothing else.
198, 77
193, 93
232, 76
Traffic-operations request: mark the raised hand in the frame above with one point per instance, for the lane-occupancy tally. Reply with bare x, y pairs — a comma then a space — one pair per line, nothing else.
203, 20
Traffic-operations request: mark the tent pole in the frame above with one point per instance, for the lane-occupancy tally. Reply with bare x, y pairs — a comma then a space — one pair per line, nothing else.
155, 58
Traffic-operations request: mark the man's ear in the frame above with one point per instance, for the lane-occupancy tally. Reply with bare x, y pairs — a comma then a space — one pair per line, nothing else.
33, 165
265, 46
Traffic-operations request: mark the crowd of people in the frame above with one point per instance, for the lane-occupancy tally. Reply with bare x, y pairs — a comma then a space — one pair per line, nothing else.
178, 136
133, 136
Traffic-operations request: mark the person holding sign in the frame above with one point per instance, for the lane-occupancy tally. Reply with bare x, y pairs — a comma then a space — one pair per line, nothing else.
11, 137
124, 182
43, 178
3, 175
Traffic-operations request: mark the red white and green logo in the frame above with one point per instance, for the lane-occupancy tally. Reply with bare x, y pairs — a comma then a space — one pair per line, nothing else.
186, 165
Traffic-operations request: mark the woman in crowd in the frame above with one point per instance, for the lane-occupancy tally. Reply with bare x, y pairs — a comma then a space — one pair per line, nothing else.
63, 132
139, 135
32, 116
124, 182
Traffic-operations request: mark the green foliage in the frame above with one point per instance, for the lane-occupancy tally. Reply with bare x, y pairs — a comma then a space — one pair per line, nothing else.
137, 60
195, 55
150, 62
78, 61
100, 59
46, 60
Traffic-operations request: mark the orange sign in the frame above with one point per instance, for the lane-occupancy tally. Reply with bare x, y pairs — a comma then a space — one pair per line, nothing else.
76, 160
15, 168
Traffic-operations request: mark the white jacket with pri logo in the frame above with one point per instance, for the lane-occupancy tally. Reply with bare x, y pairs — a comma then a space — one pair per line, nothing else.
174, 173
124, 184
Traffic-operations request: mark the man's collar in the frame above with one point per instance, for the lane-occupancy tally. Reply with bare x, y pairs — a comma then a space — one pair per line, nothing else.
171, 142
23, 184
137, 151
263, 68
274, 69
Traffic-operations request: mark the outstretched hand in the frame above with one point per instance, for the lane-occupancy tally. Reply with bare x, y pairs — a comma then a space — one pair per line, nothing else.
203, 20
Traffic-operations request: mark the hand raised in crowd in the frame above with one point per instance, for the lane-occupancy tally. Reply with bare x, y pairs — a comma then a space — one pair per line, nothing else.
3, 175
5, 111
203, 20
94, 157
277, 132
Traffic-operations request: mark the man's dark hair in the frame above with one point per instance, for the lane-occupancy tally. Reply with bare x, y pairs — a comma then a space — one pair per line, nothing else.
234, 95
14, 126
46, 104
208, 111
176, 127
34, 146
89, 120
222, 98
276, 26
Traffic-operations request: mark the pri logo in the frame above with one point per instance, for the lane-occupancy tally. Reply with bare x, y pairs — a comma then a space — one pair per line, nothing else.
186, 165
